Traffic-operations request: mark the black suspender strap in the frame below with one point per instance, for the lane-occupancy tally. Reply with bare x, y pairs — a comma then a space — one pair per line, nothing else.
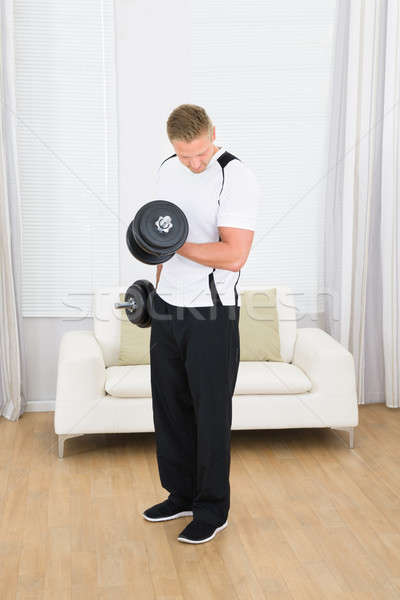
223, 160
172, 156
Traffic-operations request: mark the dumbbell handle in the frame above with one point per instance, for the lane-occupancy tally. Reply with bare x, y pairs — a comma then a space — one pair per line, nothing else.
131, 304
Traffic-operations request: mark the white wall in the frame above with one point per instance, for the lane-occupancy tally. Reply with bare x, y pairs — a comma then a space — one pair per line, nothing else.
153, 78
148, 89
153, 63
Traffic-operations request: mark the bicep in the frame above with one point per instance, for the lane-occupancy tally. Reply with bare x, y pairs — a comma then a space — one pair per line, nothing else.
239, 239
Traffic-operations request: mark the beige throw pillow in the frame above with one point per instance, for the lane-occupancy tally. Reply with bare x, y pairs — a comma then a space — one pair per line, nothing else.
259, 326
135, 341
258, 330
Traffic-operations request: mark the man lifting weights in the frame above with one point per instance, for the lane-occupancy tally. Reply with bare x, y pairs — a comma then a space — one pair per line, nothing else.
194, 344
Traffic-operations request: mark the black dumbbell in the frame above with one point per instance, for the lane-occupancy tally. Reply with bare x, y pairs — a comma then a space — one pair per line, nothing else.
138, 302
158, 230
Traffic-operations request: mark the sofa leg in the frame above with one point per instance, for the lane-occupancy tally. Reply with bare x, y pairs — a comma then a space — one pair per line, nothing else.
351, 434
61, 439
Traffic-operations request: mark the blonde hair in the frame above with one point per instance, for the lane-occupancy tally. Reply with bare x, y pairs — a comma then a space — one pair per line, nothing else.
187, 122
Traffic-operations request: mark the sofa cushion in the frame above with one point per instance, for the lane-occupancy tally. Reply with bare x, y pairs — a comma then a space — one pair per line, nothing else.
259, 326
128, 381
269, 377
258, 377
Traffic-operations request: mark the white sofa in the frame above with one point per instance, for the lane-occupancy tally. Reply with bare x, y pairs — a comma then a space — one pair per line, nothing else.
314, 387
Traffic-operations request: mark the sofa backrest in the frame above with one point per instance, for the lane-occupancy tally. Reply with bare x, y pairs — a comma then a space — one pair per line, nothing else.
107, 319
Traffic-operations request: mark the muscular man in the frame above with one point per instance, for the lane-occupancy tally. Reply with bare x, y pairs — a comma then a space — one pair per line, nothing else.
194, 345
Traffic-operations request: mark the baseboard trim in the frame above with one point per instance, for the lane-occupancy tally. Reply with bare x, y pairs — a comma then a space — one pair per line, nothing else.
40, 406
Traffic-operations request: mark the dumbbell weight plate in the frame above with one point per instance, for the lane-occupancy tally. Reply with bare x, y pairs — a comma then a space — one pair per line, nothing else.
149, 291
160, 227
142, 255
137, 316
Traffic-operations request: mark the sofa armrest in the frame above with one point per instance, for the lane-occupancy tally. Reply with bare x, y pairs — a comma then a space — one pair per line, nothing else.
81, 378
325, 361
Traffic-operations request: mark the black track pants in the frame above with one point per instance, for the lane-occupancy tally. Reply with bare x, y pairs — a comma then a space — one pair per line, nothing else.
194, 355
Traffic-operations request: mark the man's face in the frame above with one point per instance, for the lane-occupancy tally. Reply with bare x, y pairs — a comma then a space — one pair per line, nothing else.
196, 155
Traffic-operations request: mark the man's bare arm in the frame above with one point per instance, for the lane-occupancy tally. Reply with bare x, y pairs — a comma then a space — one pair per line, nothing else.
230, 253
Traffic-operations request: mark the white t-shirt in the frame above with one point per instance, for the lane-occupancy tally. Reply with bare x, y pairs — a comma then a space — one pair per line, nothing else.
184, 282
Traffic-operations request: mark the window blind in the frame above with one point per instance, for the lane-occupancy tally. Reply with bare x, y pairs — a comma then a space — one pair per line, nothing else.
262, 69
67, 147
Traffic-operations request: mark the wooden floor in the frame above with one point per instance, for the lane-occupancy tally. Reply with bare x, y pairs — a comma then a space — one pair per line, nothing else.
309, 517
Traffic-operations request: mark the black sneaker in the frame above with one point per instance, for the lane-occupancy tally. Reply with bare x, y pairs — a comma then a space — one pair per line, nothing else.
197, 532
166, 510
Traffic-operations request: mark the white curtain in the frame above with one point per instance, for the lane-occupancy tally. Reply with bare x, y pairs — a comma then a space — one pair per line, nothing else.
12, 367
333, 223
362, 199
390, 218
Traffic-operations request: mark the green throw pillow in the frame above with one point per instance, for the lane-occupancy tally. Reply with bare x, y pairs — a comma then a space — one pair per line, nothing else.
259, 326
